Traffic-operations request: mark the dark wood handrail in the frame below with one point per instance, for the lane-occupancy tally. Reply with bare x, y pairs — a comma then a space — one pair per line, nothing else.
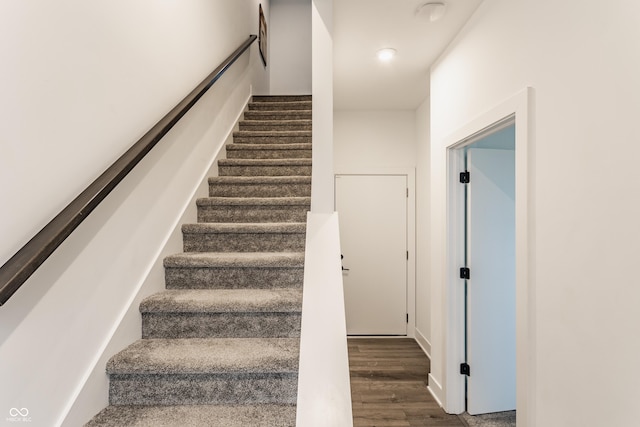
26, 261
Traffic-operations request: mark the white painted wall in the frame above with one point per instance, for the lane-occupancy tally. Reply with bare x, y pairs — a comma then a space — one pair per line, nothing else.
580, 59
260, 75
374, 139
82, 82
423, 261
324, 390
290, 43
73, 69
322, 90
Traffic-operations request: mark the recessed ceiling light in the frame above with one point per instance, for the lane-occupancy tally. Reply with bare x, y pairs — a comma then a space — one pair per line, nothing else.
432, 10
386, 54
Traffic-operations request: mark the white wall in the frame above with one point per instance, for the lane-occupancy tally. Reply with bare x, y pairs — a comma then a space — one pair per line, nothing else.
322, 90
290, 44
374, 139
261, 75
73, 69
82, 82
580, 58
324, 390
423, 182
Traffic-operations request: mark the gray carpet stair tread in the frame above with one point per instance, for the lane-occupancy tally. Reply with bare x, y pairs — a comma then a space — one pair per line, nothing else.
285, 300
245, 228
196, 416
207, 356
259, 147
235, 259
272, 98
277, 180
284, 122
254, 201
264, 162
272, 133
281, 99
278, 115
280, 105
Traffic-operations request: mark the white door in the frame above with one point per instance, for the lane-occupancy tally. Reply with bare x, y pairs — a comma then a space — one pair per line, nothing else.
491, 331
372, 210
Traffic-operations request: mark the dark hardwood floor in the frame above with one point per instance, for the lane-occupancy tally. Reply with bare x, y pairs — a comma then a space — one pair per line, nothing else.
389, 385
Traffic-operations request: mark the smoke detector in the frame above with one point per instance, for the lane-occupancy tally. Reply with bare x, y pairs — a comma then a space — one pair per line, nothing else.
433, 11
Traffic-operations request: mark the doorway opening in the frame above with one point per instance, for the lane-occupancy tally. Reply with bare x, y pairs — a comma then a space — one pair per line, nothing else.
489, 271
376, 214
510, 117
373, 235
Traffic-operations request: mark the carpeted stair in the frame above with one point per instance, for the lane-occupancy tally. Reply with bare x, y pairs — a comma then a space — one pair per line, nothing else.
220, 346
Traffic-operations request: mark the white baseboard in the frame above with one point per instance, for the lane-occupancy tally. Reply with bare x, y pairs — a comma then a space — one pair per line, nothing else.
423, 343
436, 390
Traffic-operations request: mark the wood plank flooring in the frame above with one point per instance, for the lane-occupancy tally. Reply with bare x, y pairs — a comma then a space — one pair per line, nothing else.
389, 385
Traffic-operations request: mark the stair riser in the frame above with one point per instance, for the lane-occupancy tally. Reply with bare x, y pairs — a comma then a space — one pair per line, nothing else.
233, 278
260, 190
254, 126
268, 154
221, 325
202, 389
284, 170
250, 242
240, 214
279, 106
281, 98
273, 415
278, 115
272, 139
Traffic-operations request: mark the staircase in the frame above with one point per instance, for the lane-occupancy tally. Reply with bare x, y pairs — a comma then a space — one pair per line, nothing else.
220, 346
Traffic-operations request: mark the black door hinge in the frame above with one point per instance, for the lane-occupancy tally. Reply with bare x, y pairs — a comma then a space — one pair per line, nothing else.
465, 177
465, 273
407, 317
465, 369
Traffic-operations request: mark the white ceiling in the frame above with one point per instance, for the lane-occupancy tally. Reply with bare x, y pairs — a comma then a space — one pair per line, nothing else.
362, 27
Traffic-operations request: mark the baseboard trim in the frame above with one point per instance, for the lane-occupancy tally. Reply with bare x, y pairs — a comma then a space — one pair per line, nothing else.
436, 390
424, 343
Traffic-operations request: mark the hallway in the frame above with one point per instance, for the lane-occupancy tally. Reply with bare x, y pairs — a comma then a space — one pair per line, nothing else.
389, 388
389, 385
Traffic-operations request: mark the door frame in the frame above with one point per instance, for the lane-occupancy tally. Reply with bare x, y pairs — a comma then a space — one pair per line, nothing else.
410, 173
518, 109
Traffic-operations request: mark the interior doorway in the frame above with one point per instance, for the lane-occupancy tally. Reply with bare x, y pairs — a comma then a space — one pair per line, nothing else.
517, 111
373, 214
489, 279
